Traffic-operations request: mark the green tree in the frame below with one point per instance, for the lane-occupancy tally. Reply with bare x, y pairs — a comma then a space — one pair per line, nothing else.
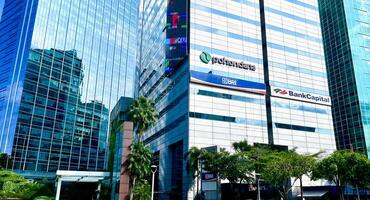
257, 154
359, 175
282, 169
15, 186
279, 168
142, 112
243, 146
304, 165
236, 167
138, 164
142, 191
278, 171
193, 157
343, 167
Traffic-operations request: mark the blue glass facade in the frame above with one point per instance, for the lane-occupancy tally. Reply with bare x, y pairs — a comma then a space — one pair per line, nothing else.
1, 7
67, 62
16, 29
345, 28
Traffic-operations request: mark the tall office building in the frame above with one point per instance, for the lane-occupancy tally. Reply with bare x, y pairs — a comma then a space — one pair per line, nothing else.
346, 34
64, 65
229, 70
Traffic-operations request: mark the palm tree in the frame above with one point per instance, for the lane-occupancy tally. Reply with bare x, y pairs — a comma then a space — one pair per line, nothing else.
193, 157
142, 112
138, 164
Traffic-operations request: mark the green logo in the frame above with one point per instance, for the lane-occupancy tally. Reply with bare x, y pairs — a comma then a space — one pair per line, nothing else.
205, 57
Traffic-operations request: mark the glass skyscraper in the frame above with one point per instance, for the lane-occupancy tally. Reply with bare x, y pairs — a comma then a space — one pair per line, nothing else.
346, 36
64, 65
230, 70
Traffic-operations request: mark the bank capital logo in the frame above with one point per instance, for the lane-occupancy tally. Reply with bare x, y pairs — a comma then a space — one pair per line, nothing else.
280, 91
205, 57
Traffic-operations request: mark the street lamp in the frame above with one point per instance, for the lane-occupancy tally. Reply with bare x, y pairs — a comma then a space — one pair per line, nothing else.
153, 169
258, 186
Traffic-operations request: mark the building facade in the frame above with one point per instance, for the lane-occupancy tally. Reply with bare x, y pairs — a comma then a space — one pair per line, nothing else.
244, 70
345, 29
120, 139
252, 70
64, 65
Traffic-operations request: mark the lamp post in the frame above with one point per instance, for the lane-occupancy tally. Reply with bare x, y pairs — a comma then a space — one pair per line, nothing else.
258, 186
153, 169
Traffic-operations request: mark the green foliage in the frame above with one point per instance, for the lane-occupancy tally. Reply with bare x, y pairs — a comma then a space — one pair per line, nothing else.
344, 167
15, 186
142, 112
303, 164
242, 146
139, 160
276, 167
236, 167
138, 164
194, 156
44, 198
112, 143
257, 154
359, 174
142, 191
280, 167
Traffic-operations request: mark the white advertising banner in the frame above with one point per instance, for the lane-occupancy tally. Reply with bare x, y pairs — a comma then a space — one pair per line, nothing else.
300, 96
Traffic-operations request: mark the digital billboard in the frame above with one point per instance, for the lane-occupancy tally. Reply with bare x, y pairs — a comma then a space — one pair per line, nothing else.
177, 45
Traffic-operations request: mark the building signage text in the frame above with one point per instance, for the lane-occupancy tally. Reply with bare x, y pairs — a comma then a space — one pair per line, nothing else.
303, 96
206, 58
227, 82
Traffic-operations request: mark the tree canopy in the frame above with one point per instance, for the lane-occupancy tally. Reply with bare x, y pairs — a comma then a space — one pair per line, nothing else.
16, 186
276, 167
142, 112
139, 160
142, 191
344, 167
282, 169
138, 165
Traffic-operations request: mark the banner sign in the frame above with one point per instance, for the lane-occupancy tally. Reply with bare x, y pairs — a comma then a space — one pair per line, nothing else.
301, 96
227, 82
208, 176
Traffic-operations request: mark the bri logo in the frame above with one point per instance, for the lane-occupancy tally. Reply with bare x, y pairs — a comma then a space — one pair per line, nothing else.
205, 57
280, 91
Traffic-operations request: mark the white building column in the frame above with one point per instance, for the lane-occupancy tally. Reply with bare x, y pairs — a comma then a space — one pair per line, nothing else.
98, 191
59, 187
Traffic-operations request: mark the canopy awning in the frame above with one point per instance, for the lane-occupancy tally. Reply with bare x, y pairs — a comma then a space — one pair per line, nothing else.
81, 176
